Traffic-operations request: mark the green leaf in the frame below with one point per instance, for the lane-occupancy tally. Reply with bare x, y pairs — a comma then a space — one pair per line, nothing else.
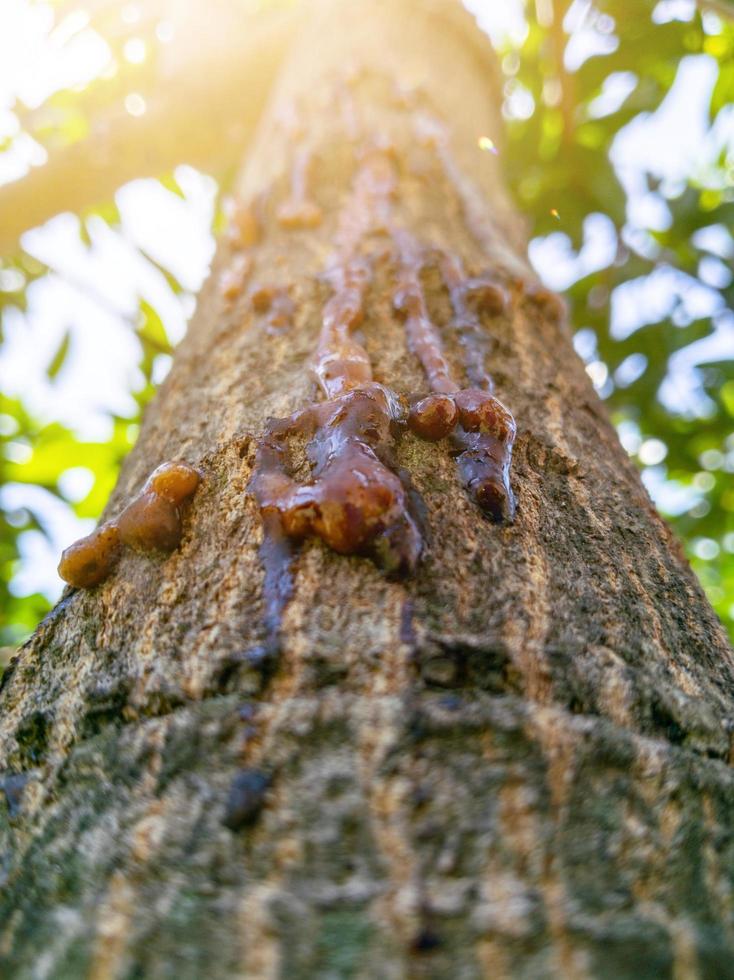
57, 361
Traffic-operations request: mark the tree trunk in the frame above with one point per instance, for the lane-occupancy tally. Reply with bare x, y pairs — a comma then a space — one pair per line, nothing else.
259, 758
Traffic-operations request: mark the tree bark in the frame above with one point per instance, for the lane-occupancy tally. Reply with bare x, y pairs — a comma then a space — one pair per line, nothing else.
513, 762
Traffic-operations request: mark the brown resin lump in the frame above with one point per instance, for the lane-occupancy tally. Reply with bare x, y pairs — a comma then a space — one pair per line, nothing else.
482, 433
276, 303
353, 501
433, 417
482, 430
479, 411
298, 211
485, 439
472, 298
261, 298
340, 361
351, 495
549, 303
234, 277
299, 214
244, 228
485, 296
410, 303
90, 560
175, 481
151, 522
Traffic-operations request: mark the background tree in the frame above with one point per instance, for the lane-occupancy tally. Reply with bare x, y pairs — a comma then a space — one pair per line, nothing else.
430, 777
576, 98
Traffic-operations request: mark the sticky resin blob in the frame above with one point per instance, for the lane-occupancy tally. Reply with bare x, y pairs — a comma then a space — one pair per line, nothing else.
150, 522
175, 481
351, 498
433, 417
482, 433
90, 560
482, 430
298, 211
484, 440
243, 229
353, 501
329, 470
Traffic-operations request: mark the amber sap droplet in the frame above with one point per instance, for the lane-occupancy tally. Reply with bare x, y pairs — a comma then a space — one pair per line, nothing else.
261, 298
486, 297
244, 228
233, 278
150, 523
484, 467
280, 317
481, 412
174, 480
353, 502
548, 302
433, 417
90, 560
299, 214
492, 497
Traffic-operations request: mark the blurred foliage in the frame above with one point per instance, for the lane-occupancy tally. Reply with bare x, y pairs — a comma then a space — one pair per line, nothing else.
562, 132
39, 455
562, 126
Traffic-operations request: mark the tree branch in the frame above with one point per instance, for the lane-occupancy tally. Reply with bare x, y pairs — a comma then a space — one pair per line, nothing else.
558, 40
723, 8
201, 110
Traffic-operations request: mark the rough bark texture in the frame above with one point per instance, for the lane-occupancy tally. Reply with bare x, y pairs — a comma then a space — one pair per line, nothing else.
515, 762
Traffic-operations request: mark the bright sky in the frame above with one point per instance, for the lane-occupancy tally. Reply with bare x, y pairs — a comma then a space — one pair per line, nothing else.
95, 290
